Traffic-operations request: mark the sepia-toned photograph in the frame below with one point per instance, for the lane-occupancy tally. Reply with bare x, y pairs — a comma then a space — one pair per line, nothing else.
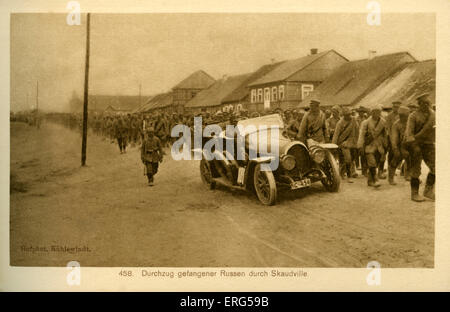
211, 140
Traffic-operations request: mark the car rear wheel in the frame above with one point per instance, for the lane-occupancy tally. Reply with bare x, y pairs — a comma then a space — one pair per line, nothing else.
265, 186
332, 179
206, 175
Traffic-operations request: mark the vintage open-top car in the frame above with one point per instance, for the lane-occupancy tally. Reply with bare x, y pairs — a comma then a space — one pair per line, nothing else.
299, 165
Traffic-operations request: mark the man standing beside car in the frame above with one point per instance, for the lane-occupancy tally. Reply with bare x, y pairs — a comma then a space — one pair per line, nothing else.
346, 136
313, 125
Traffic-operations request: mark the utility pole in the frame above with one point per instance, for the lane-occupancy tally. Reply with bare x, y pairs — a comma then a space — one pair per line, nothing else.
86, 93
38, 125
37, 95
140, 87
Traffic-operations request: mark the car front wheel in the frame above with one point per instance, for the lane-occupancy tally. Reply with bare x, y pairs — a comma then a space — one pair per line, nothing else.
332, 179
265, 186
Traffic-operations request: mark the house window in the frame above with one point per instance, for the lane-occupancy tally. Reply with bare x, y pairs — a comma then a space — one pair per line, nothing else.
274, 93
260, 95
266, 94
281, 92
306, 90
253, 98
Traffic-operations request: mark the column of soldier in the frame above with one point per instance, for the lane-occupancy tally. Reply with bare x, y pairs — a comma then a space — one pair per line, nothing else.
399, 137
396, 138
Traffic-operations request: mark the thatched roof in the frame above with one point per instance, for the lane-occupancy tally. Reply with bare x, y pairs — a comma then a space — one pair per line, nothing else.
158, 101
214, 95
197, 80
291, 67
353, 80
405, 86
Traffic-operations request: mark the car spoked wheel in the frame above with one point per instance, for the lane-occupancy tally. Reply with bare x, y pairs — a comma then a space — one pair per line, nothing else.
332, 179
206, 175
265, 186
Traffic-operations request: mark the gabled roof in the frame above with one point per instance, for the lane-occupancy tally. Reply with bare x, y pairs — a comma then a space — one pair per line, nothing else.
290, 67
117, 102
405, 86
214, 95
158, 101
243, 90
353, 80
197, 80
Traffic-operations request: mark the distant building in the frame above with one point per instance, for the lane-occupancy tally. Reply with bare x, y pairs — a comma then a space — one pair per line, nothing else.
162, 102
184, 91
353, 81
240, 97
210, 100
180, 94
293, 80
115, 103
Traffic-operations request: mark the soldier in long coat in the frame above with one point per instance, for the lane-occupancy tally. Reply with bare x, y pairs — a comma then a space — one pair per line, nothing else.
420, 137
372, 141
346, 137
399, 151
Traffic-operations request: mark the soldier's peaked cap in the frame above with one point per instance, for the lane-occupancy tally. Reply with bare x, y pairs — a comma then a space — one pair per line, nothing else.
314, 102
403, 110
423, 97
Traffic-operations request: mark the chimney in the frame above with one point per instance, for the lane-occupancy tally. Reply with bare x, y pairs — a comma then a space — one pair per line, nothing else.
372, 54
314, 51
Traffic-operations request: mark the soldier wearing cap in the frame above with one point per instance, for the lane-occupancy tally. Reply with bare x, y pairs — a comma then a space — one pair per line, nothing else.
371, 142
293, 125
346, 137
399, 151
333, 120
313, 125
361, 159
420, 137
151, 154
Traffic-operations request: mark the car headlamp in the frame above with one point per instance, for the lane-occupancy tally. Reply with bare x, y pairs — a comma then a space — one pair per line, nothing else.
318, 155
288, 162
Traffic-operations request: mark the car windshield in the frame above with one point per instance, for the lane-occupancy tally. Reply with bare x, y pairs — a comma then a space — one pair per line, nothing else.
273, 120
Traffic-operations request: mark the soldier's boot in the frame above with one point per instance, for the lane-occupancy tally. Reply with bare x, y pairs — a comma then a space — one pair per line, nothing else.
364, 171
429, 187
391, 174
381, 174
349, 173
373, 173
407, 175
415, 190
353, 170
150, 179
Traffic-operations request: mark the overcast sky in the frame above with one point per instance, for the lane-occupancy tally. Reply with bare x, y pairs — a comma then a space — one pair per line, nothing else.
159, 50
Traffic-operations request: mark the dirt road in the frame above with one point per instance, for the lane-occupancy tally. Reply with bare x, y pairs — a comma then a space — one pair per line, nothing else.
108, 212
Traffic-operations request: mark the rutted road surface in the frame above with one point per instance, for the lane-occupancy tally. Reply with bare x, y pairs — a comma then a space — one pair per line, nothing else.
108, 212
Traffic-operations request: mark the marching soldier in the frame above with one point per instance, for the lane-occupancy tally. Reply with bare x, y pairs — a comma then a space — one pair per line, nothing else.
371, 142
151, 154
121, 134
346, 136
398, 151
361, 156
313, 125
420, 137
